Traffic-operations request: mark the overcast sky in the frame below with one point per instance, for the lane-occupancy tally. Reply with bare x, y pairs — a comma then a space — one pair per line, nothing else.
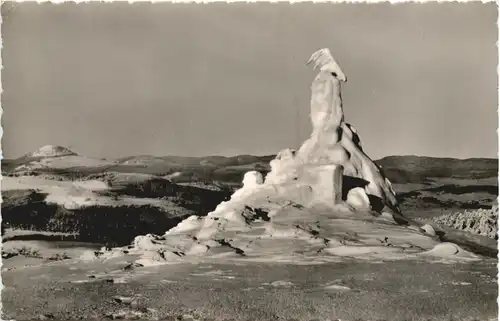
111, 80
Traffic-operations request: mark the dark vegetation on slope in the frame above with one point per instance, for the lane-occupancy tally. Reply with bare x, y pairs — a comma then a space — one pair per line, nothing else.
116, 225
418, 169
100, 224
195, 199
450, 196
459, 189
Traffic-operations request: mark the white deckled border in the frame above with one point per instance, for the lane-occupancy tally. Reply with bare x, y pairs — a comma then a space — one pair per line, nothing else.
1, 157
253, 1
498, 150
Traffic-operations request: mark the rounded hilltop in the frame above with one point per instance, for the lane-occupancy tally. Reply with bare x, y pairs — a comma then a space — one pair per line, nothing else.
52, 151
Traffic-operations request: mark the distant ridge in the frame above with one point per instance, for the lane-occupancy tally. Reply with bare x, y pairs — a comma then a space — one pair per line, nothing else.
398, 168
414, 157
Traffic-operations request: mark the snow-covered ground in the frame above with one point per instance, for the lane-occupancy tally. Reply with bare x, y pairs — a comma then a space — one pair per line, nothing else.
351, 291
77, 194
266, 223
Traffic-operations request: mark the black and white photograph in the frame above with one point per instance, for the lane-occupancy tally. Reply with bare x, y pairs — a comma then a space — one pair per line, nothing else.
249, 161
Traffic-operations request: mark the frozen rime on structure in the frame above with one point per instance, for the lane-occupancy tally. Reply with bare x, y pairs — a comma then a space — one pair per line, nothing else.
251, 180
481, 221
309, 201
333, 157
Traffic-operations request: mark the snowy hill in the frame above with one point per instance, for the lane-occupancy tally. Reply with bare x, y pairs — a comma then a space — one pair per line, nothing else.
52, 151
51, 158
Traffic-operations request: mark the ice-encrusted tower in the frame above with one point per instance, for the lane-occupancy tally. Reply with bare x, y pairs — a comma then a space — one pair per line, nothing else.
333, 153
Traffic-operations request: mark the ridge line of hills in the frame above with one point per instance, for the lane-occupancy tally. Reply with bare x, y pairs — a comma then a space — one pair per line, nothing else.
60, 151
398, 169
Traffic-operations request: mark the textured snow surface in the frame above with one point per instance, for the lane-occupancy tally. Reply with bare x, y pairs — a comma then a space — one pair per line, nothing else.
76, 194
267, 226
480, 221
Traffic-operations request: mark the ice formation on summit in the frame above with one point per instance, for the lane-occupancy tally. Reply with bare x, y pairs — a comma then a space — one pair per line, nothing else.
326, 201
337, 143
